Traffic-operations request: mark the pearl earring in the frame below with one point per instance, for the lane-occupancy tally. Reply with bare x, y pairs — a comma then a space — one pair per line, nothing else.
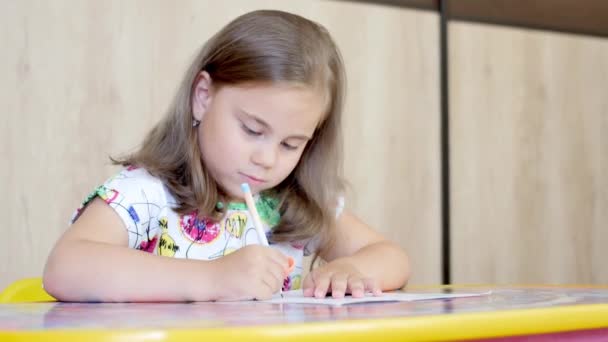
196, 123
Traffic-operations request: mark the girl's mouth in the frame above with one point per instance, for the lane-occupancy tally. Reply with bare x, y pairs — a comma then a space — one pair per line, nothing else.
251, 179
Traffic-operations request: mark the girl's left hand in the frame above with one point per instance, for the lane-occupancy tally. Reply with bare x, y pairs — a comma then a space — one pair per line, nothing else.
339, 277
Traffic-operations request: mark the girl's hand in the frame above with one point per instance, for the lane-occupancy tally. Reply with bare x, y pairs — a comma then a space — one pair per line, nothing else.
339, 277
251, 272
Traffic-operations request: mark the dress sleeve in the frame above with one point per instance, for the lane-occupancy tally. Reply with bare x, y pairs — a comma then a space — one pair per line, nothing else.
137, 198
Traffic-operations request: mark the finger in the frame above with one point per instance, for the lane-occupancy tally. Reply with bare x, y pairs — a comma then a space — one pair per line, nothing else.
322, 281
338, 285
287, 262
278, 276
270, 283
291, 264
308, 286
264, 295
356, 286
278, 268
270, 274
279, 257
372, 285
261, 288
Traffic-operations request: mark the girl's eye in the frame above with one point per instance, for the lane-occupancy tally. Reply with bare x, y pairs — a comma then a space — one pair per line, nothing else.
288, 146
250, 131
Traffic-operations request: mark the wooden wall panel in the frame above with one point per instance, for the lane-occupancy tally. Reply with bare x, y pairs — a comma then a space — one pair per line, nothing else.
529, 156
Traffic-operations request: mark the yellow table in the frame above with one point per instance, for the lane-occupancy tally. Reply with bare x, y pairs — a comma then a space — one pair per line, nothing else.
508, 311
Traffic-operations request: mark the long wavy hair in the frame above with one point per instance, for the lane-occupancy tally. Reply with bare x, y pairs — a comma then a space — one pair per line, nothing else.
260, 46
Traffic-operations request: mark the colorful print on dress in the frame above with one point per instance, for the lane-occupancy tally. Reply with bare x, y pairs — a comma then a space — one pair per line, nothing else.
166, 245
298, 245
296, 282
267, 208
107, 195
292, 282
200, 231
235, 224
149, 245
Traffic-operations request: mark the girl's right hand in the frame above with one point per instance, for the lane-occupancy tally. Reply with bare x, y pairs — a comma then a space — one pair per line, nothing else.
251, 272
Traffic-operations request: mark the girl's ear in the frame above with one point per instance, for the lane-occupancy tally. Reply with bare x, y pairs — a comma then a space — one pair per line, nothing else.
201, 95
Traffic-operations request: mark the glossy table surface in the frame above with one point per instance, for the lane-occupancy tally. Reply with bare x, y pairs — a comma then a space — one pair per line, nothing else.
506, 311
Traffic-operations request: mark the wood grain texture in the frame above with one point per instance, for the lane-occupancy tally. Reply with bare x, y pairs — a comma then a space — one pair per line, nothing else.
83, 80
528, 116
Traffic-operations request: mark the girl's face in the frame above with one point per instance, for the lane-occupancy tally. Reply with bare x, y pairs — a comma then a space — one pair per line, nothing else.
253, 133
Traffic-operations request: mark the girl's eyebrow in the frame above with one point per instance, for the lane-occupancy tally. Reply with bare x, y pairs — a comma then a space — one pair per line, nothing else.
267, 126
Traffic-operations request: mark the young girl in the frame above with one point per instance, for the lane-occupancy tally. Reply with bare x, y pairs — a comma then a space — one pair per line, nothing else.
261, 104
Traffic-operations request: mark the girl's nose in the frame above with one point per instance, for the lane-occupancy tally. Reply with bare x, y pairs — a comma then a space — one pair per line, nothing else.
265, 156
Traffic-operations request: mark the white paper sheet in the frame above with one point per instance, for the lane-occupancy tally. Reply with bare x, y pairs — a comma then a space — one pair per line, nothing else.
297, 296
